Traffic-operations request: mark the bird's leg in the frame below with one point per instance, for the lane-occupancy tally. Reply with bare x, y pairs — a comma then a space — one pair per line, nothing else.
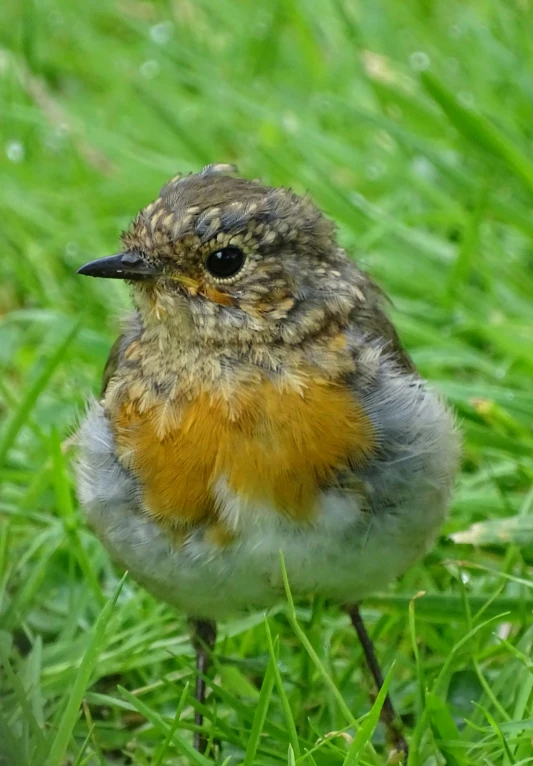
388, 715
204, 633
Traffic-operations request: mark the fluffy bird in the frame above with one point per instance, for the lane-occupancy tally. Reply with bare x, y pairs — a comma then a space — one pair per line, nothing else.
259, 400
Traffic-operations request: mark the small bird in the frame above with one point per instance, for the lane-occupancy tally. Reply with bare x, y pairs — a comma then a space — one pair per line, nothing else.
259, 400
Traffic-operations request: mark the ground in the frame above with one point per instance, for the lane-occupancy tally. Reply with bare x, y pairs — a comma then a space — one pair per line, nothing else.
410, 124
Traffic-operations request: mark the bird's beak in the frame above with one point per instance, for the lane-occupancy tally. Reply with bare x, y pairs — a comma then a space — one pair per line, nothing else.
128, 265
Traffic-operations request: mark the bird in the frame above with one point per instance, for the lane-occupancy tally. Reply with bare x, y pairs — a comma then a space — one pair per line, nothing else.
258, 401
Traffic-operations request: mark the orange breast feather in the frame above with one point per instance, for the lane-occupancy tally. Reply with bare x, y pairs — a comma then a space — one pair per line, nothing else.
276, 447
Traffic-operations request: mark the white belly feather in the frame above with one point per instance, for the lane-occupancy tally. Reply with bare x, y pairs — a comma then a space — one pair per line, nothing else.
346, 553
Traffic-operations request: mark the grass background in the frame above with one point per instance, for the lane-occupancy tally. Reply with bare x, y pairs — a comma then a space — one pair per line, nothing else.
411, 123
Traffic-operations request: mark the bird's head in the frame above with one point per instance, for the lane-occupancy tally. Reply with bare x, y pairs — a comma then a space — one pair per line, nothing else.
224, 258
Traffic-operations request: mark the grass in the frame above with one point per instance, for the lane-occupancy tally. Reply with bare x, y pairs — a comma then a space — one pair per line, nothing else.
410, 124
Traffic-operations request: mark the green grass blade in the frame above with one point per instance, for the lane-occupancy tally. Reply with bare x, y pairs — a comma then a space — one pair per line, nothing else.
416, 654
444, 730
260, 715
363, 736
442, 609
19, 417
479, 130
70, 519
289, 719
291, 760
162, 752
497, 730
83, 674
455, 649
310, 650
195, 758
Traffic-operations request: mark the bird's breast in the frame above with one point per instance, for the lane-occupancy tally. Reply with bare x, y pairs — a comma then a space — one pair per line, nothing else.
271, 446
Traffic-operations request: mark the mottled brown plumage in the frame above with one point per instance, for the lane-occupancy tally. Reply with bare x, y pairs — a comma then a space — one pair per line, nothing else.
297, 288
258, 400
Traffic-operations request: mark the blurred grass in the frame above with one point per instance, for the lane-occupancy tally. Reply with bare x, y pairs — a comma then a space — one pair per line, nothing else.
411, 124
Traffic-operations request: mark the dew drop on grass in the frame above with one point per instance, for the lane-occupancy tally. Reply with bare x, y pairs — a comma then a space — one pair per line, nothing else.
55, 138
419, 61
422, 167
161, 33
72, 248
290, 122
149, 69
15, 151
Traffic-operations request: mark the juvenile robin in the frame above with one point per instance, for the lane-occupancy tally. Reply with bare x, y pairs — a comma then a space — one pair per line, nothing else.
258, 401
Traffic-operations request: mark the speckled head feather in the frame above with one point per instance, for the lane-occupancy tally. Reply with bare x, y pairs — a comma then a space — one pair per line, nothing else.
295, 280
214, 204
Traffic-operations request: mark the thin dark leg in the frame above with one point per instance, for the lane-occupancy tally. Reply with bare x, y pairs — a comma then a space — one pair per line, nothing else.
388, 715
204, 634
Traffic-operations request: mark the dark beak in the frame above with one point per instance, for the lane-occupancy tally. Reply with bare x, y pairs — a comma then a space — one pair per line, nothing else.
129, 265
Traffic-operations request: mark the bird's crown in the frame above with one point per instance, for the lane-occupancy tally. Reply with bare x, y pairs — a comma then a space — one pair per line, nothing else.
216, 254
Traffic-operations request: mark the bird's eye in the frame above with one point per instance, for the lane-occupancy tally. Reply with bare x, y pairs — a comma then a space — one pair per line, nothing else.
226, 262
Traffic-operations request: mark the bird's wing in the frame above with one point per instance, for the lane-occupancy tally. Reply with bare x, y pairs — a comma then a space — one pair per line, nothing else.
372, 321
113, 360
118, 348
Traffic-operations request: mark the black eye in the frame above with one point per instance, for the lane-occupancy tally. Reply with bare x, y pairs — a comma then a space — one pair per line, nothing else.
226, 262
